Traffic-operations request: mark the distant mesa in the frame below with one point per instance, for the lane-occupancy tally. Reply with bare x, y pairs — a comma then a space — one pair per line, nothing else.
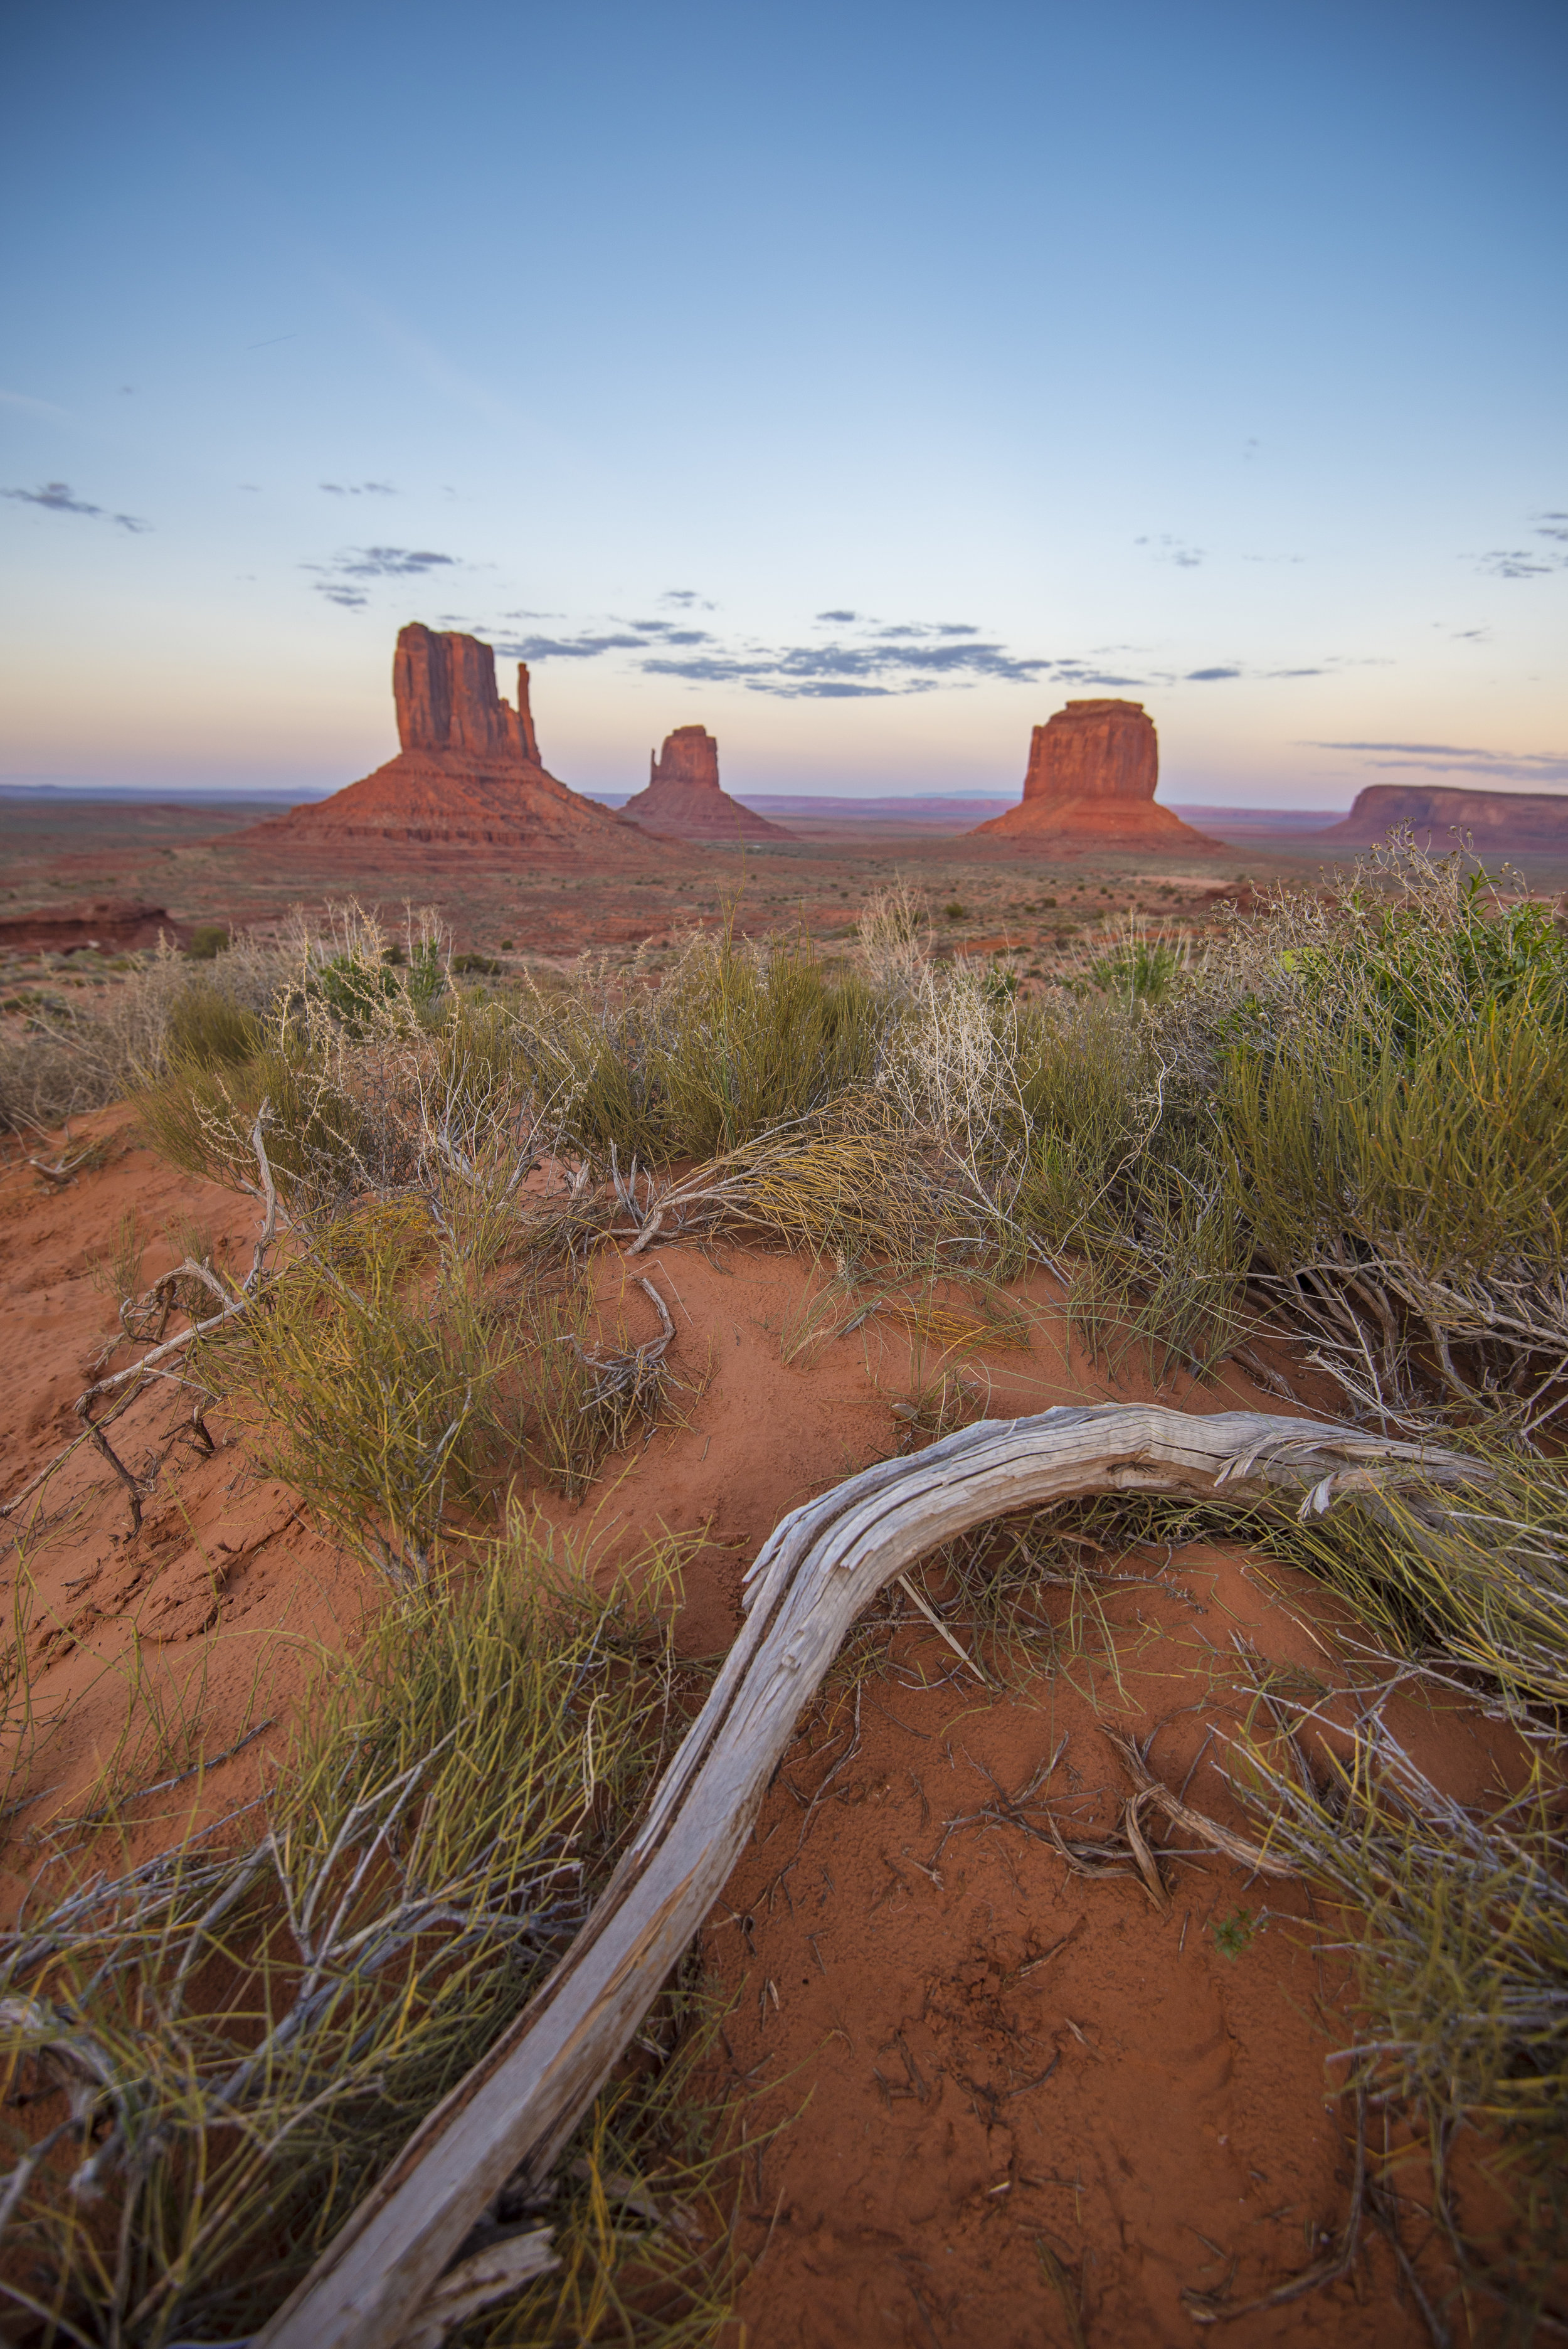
684, 802
1090, 784
469, 774
1494, 820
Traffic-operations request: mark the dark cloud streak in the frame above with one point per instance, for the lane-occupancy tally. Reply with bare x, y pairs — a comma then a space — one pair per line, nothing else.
1539, 767
338, 579
55, 497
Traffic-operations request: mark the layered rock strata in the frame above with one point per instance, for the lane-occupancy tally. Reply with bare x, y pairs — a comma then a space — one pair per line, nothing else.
469, 774
122, 923
1435, 813
1090, 783
684, 800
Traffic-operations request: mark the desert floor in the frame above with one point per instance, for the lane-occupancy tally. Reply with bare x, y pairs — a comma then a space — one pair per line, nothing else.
982, 2100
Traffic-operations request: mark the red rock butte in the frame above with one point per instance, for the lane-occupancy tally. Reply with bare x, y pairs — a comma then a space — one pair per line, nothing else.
683, 800
469, 774
1090, 784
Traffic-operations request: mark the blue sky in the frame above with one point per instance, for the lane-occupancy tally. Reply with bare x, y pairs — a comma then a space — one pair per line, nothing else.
862, 381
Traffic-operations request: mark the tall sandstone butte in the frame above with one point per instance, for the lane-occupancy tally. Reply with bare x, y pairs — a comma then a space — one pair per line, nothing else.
1090, 784
684, 800
469, 774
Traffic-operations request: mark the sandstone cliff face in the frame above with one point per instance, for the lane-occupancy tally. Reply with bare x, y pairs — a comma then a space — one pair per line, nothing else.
684, 800
469, 774
1094, 749
1090, 782
444, 691
1493, 820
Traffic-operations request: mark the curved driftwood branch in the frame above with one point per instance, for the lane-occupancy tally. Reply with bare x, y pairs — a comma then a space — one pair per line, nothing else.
812, 1577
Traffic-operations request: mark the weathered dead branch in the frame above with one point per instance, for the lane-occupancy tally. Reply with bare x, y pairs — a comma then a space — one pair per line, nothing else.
814, 1577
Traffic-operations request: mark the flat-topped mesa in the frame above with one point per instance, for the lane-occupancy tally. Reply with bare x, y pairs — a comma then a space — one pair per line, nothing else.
684, 800
469, 774
1090, 782
1442, 814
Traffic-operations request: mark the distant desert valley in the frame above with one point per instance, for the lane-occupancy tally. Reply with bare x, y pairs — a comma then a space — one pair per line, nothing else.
467, 817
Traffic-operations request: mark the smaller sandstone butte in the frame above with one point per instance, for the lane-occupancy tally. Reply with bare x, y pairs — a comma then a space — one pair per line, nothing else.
684, 802
1494, 820
1090, 784
469, 774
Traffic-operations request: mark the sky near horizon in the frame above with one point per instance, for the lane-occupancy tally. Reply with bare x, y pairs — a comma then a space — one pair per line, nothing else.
862, 381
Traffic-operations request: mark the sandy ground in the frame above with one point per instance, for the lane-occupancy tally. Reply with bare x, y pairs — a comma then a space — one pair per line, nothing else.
1021, 2106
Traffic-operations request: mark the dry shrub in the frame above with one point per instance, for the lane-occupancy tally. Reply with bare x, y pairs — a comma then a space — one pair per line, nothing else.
71, 1059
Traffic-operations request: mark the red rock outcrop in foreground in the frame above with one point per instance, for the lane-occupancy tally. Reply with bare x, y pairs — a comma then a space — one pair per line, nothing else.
469, 773
122, 923
1090, 784
1494, 820
684, 800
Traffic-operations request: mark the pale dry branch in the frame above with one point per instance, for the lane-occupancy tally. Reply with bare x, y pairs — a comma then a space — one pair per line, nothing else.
814, 1577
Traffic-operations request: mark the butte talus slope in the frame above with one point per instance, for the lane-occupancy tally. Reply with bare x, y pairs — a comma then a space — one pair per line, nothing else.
1090, 784
684, 800
469, 773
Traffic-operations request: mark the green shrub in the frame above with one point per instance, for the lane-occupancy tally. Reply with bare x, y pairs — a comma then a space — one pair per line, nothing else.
356, 990
734, 1043
209, 1030
208, 941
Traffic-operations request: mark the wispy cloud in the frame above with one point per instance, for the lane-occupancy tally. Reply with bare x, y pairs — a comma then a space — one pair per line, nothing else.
1166, 549
358, 489
853, 656
1539, 767
57, 497
343, 579
587, 646
898, 658
882, 657
1531, 561
32, 406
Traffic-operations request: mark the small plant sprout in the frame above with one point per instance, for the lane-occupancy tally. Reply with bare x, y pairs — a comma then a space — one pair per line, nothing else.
1236, 1932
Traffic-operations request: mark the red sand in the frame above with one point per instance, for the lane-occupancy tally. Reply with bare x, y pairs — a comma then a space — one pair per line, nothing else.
992, 2065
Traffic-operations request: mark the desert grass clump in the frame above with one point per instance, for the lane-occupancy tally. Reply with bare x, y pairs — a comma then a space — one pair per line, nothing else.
850, 1183
370, 1380
734, 1043
1458, 1928
218, 2052
1472, 1584
1407, 1198
324, 1141
1120, 1188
